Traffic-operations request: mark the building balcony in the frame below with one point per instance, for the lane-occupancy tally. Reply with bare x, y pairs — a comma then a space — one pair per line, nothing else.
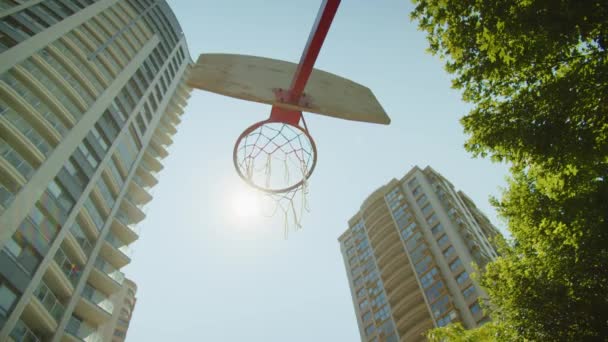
148, 177
116, 251
106, 277
123, 228
138, 194
95, 306
63, 274
73, 247
79, 331
44, 311
22, 333
131, 213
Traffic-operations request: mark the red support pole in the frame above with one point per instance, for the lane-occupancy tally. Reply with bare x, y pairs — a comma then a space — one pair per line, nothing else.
325, 16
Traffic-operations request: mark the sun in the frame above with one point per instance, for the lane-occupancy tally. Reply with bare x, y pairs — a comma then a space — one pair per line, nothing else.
246, 205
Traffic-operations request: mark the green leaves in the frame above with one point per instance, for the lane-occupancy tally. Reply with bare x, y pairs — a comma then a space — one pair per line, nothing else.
536, 72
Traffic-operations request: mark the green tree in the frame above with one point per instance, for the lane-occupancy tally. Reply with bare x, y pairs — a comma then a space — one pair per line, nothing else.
536, 72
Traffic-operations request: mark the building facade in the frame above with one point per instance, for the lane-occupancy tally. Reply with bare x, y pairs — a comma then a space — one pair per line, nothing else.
409, 253
123, 302
90, 94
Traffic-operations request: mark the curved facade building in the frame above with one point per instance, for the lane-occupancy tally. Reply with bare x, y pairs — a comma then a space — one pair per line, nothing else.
409, 253
91, 92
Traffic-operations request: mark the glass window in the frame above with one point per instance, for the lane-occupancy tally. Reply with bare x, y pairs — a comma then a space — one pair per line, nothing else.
367, 316
475, 308
419, 252
434, 291
413, 241
413, 183
447, 319
62, 196
423, 265
407, 231
94, 213
361, 293
440, 306
448, 252
444, 240
421, 200
455, 264
432, 219
437, 229
462, 277
469, 291
428, 278
427, 210
364, 304
370, 329
358, 281
7, 299
416, 191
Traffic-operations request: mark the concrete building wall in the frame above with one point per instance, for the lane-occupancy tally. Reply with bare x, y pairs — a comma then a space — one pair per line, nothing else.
409, 253
90, 94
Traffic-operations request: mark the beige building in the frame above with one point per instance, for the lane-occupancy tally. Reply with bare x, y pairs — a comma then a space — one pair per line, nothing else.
124, 303
91, 92
409, 253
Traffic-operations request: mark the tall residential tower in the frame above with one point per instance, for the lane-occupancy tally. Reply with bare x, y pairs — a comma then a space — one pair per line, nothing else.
409, 253
90, 94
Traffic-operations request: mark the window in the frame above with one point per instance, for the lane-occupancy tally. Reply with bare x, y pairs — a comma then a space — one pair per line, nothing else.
428, 278
361, 293
364, 304
423, 265
455, 264
382, 314
413, 183
469, 291
367, 316
421, 200
419, 252
434, 291
437, 229
448, 252
413, 241
358, 281
416, 191
432, 219
119, 333
447, 319
475, 308
444, 240
408, 231
462, 277
8, 297
427, 210
370, 329
440, 306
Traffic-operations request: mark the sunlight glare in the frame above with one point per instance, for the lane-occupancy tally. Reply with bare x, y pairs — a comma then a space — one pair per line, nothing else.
246, 204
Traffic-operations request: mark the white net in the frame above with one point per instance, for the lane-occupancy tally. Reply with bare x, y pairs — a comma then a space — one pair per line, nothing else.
277, 159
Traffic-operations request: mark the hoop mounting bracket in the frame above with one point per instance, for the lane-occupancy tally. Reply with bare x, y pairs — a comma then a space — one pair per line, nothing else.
284, 96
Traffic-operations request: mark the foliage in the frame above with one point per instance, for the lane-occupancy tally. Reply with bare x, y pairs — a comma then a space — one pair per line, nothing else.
537, 74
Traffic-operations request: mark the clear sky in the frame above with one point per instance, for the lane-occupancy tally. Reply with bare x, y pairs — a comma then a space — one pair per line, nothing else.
206, 274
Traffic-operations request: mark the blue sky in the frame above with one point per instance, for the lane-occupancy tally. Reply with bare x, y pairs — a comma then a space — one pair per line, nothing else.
204, 274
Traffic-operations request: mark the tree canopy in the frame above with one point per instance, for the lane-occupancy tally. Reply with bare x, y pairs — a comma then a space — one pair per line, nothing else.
536, 72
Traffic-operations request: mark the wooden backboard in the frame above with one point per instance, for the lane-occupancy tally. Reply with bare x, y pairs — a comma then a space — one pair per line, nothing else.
257, 79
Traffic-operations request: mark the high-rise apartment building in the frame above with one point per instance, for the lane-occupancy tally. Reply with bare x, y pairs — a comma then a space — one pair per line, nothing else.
90, 94
409, 253
123, 302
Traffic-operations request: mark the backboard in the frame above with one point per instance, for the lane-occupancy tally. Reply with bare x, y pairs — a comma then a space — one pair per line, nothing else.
267, 80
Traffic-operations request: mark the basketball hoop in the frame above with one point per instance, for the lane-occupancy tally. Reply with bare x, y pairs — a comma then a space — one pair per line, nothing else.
277, 158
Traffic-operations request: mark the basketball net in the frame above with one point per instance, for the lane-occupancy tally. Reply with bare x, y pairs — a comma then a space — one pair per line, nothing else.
277, 159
